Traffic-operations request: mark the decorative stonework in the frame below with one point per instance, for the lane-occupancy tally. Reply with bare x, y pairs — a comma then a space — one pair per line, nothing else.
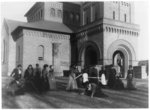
123, 31
46, 35
56, 5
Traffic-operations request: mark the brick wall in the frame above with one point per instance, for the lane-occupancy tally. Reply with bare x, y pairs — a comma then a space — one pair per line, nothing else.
32, 39
120, 9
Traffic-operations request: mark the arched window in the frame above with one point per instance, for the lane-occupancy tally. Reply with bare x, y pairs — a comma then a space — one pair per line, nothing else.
59, 13
113, 14
41, 52
52, 12
125, 17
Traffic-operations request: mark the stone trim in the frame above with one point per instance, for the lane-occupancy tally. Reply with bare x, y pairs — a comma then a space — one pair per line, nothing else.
122, 31
46, 35
91, 31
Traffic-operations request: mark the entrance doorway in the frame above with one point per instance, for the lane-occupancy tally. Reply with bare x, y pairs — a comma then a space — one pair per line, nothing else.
90, 56
119, 62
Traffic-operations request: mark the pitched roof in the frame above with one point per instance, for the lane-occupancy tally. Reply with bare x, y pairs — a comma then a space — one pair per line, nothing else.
47, 26
12, 24
38, 25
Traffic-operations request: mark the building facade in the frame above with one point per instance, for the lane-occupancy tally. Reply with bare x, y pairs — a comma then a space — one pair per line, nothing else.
85, 34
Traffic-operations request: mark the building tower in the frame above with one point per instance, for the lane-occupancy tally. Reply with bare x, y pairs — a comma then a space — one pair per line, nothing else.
107, 36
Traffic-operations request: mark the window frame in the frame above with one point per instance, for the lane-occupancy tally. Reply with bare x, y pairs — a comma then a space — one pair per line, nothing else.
40, 52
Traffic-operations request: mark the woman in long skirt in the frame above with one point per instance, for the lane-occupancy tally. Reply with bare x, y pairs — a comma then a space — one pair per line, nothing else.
130, 84
51, 77
45, 81
72, 84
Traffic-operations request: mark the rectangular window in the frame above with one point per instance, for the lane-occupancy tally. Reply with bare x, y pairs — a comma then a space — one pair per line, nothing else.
113, 14
86, 16
41, 14
125, 17
94, 12
18, 53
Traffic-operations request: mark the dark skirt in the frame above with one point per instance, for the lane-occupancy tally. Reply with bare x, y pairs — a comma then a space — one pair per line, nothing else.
45, 84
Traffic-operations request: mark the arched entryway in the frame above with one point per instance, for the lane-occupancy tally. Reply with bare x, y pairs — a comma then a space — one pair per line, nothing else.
90, 57
122, 51
89, 54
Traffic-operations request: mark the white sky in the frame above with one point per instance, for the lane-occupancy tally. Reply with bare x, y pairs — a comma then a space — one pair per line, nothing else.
17, 10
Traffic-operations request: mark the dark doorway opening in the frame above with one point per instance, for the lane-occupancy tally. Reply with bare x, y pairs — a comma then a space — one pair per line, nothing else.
90, 56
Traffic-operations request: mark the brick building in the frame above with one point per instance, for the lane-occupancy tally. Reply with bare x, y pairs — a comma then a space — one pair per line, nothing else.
62, 34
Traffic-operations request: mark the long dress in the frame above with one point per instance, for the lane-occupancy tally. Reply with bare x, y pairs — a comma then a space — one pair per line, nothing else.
52, 81
45, 82
14, 81
38, 80
130, 84
29, 80
72, 84
102, 74
112, 78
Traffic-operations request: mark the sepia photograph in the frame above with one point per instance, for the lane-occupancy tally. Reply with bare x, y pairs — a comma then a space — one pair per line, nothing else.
74, 54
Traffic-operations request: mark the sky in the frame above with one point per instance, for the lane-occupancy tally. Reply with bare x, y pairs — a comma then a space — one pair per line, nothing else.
17, 10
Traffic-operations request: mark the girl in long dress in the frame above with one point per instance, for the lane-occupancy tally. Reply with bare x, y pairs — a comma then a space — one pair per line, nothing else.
130, 84
72, 84
52, 81
102, 74
29, 79
45, 81
16, 74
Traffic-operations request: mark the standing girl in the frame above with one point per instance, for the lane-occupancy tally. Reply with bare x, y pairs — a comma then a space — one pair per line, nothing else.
51, 77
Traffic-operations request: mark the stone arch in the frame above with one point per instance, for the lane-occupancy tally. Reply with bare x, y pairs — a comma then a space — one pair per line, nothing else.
126, 48
124, 44
83, 49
